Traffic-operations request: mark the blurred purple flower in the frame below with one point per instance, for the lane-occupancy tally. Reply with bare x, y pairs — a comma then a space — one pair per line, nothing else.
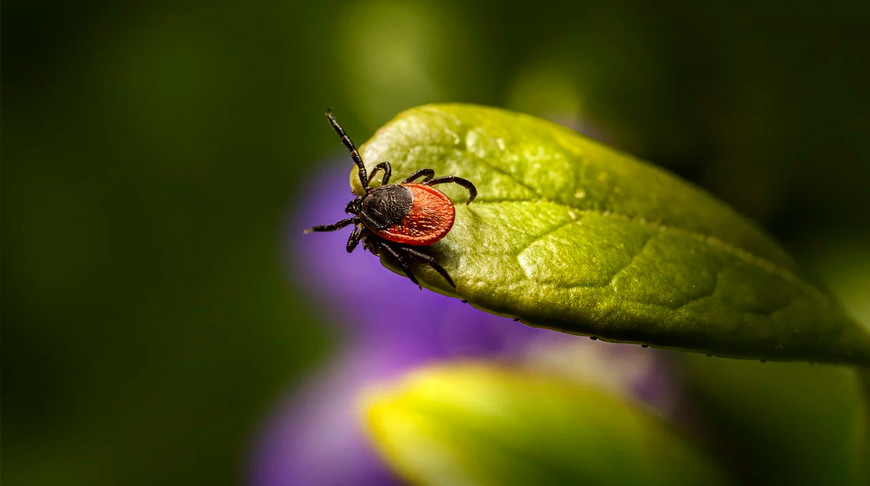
314, 438
390, 326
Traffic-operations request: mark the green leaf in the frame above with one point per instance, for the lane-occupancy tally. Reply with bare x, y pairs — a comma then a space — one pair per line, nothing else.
478, 424
572, 235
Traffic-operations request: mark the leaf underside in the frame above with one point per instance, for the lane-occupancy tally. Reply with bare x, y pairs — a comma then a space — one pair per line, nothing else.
574, 236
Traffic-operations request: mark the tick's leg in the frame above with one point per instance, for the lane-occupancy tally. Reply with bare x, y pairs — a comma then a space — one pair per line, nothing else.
432, 262
332, 227
368, 244
385, 166
363, 179
403, 264
426, 174
472, 191
355, 236
364, 217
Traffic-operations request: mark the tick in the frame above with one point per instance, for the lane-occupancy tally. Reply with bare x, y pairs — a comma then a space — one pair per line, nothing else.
397, 219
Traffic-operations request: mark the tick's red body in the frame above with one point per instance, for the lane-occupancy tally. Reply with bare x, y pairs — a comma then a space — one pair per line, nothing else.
429, 219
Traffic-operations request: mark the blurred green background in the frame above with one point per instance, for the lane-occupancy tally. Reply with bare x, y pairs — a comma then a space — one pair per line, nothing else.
152, 151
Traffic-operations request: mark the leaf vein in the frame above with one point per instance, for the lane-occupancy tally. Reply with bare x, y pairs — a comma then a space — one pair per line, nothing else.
631, 260
705, 295
511, 177
544, 235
